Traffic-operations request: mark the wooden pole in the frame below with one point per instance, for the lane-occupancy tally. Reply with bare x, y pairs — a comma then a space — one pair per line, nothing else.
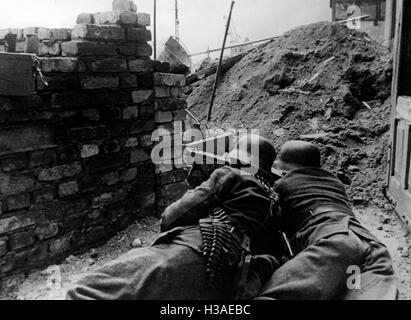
155, 30
217, 77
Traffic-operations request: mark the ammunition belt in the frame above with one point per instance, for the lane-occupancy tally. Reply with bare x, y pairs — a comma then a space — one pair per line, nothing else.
222, 247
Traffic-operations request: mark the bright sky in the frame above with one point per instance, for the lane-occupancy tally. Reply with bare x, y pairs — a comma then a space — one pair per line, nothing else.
201, 21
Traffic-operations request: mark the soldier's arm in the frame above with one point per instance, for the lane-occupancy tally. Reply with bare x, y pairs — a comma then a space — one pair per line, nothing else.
196, 204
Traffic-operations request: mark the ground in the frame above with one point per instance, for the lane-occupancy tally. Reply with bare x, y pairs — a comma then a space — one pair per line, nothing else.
39, 284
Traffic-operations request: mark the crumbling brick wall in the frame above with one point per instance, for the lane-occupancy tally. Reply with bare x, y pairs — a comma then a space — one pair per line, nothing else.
75, 157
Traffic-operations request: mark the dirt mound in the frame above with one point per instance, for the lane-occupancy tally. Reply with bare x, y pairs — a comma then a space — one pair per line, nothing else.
321, 82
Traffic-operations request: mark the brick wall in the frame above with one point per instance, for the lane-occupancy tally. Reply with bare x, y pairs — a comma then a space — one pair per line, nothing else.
75, 157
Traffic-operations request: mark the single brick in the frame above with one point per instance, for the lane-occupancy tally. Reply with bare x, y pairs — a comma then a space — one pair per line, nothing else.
18, 202
46, 231
85, 18
164, 167
58, 83
44, 33
170, 104
124, 5
146, 111
109, 198
143, 126
3, 247
62, 65
98, 32
163, 116
60, 34
107, 162
17, 162
44, 195
130, 113
146, 141
109, 65
60, 172
42, 158
92, 83
89, 150
169, 79
21, 240
30, 30
68, 189
142, 95
115, 17
162, 67
128, 175
15, 223
70, 99
87, 48
139, 156
140, 65
128, 81
172, 177
132, 142
143, 19
15, 184
111, 178
111, 146
162, 92
52, 49
138, 34
144, 50
91, 114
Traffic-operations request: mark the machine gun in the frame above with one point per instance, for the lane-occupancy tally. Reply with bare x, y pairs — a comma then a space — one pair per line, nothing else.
203, 163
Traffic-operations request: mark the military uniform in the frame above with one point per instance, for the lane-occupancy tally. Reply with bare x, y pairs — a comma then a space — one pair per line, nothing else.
329, 244
179, 263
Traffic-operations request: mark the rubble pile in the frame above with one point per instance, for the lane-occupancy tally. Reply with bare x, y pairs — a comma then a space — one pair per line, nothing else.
323, 83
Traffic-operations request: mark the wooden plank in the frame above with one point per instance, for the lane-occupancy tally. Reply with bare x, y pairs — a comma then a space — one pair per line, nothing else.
16, 74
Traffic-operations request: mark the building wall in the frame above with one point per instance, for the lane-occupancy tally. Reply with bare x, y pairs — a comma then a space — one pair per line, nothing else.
75, 157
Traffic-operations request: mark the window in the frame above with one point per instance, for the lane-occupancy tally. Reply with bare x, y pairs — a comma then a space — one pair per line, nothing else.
345, 9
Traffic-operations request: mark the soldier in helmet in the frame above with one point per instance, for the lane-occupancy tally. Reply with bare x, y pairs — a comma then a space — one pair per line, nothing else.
335, 256
208, 236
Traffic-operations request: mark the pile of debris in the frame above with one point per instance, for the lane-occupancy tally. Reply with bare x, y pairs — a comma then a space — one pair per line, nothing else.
323, 83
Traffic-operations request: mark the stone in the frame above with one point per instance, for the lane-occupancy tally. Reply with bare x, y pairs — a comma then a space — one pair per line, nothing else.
128, 175
109, 65
111, 178
44, 33
18, 202
15, 223
108, 198
124, 5
142, 95
140, 65
98, 32
130, 113
139, 156
60, 34
85, 18
163, 116
87, 48
89, 150
47, 231
30, 30
21, 240
137, 243
68, 189
116, 17
170, 104
15, 184
3, 247
52, 49
43, 195
42, 158
132, 142
60, 172
169, 79
62, 65
92, 83
161, 92
17, 162
143, 19
60, 246
128, 81
138, 34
